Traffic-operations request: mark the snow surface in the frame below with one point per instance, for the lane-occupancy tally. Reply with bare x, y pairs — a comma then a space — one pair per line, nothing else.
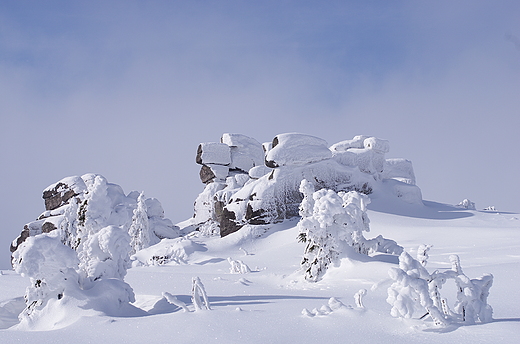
274, 303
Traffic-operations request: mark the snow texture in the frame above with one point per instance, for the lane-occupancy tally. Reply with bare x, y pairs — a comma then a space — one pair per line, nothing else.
274, 294
246, 152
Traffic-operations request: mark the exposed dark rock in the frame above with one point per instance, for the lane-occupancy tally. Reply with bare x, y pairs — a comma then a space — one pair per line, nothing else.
48, 227
206, 174
21, 238
226, 220
198, 159
57, 196
258, 217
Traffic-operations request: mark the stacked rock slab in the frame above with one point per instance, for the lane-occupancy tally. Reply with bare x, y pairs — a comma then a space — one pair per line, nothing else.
269, 193
225, 165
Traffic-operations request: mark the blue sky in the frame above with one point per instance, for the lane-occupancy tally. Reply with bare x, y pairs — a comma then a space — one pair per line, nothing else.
128, 89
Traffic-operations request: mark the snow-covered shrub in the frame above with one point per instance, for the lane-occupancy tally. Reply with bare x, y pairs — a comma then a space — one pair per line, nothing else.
174, 301
422, 254
65, 284
77, 206
51, 268
168, 251
198, 295
358, 297
238, 267
335, 305
415, 288
467, 204
139, 229
105, 254
333, 223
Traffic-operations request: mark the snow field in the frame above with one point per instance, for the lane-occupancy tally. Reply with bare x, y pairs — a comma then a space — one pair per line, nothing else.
266, 305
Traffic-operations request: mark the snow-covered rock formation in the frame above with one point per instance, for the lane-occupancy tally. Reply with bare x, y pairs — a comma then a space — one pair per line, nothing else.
75, 204
252, 183
78, 251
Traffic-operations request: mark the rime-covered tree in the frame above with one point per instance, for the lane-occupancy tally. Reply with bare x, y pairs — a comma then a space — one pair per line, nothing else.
331, 224
140, 228
104, 249
51, 268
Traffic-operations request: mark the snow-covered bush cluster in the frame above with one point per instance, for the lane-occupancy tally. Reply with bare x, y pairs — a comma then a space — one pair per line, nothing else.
79, 248
252, 183
332, 225
467, 204
198, 295
334, 306
414, 289
238, 266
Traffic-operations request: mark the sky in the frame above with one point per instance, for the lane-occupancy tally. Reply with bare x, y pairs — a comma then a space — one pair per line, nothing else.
128, 89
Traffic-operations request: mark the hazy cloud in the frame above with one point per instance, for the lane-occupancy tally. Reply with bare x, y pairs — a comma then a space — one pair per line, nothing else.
128, 89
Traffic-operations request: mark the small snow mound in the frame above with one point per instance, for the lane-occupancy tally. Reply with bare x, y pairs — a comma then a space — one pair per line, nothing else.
167, 251
467, 204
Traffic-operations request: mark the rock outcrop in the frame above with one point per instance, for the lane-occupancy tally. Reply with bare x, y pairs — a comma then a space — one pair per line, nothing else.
266, 188
75, 202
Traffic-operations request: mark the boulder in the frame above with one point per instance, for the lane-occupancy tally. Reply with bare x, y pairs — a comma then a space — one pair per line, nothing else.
213, 153
59, 194
246, 152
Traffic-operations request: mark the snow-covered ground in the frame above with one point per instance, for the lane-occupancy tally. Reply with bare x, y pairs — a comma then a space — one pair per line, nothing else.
267, 304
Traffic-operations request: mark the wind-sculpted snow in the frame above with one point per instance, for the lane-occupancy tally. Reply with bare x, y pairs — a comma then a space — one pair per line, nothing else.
268, 193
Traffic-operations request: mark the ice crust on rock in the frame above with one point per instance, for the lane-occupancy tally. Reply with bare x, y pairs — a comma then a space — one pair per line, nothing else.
246, 152
268, 193
399, 169
293, 149
213, 153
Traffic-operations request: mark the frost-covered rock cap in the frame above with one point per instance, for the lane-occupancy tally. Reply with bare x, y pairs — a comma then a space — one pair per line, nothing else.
295, 149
